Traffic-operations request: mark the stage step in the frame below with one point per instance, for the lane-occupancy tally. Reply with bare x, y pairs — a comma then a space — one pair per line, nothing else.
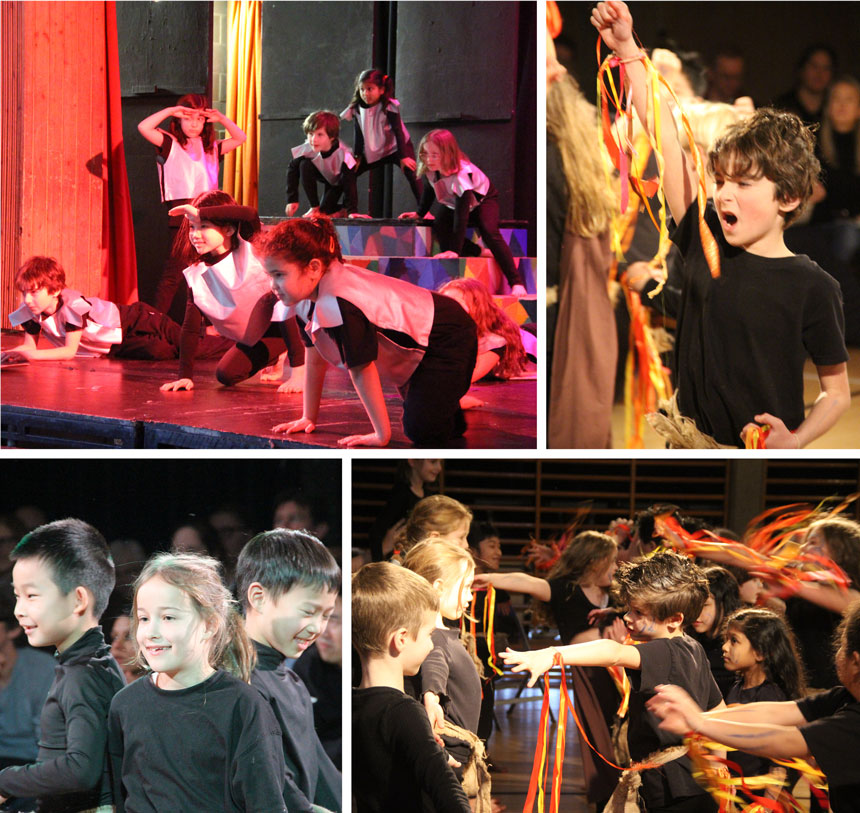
390, 237
430, 273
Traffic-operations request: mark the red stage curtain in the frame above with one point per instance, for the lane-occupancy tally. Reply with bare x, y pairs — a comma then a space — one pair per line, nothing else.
65, 189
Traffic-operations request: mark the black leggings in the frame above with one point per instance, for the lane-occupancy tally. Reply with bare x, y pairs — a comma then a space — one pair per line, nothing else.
242, 361
450, 229
412, 179
311, 176
431, 404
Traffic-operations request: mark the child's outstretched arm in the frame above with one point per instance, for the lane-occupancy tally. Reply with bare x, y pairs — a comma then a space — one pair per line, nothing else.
315, 370
831, 404
603, 652
365, 379
67, 351
764, 729
516, 583
237, 134
612, 19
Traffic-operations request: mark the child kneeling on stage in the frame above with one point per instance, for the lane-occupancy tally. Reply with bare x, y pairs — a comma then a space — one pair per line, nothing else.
373, 325
78, 325
397, 761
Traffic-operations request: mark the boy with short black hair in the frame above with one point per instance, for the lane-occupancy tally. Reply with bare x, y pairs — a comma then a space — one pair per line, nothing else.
63, 576
288, 583
743, 336
322, 159
397, 763
79, 325
661, 594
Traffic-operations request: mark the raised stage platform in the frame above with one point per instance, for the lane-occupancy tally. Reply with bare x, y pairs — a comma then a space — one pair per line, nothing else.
108, 403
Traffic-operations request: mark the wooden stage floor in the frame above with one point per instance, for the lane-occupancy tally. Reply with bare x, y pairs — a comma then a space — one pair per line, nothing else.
103, 402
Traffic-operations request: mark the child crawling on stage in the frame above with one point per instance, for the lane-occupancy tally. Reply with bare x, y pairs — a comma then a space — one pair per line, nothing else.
743, 337
662, 593
375, 326
79, 325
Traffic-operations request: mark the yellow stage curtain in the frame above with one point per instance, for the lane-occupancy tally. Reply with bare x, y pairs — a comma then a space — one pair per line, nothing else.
244, 60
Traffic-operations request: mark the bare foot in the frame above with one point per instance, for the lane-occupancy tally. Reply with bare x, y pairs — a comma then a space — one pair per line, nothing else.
274, 372
296, 381
470, 402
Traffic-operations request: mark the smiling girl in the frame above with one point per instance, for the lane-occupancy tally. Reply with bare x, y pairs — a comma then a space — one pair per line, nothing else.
228, 285
192, 734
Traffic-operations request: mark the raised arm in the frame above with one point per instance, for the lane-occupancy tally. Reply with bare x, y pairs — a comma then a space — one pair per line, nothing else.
603, 652
237, 135
765, 729
515, 583
148, 128
612, 19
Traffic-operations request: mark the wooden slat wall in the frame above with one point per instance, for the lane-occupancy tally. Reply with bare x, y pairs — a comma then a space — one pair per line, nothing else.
61, 121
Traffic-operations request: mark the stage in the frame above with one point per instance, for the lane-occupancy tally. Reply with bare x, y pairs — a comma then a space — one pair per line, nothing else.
109, 403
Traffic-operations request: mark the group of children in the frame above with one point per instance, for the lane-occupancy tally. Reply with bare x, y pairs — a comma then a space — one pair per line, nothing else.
217, 721
377, 327
690, 635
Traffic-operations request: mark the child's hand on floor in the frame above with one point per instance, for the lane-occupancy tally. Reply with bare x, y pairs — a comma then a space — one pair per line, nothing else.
519, 290
300, 425
408, 216
359, 216
291, 209
373, 439
614, 22
179, 384
537, 661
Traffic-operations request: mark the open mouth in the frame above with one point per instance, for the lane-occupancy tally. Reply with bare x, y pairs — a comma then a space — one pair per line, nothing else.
730, 219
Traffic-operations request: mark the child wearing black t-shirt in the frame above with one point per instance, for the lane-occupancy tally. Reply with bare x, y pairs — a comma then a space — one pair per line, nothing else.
288, 583
743, 336
63, 577
660, 593
825, 726
191, 735
397, 763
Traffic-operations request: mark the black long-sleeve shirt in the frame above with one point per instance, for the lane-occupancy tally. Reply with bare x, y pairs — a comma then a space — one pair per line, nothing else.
72, 771
214, 746
311, 777
396, 762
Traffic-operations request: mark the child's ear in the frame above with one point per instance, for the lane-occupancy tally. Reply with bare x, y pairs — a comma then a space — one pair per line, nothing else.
675, 621
257, 596
397, 641
437, 585
789, 205
83, 600
315, 268
229, 230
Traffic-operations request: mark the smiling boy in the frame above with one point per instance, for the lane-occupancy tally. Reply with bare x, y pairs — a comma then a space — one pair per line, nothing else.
744, 336
288, 583
660, 593
63, 576
322, 159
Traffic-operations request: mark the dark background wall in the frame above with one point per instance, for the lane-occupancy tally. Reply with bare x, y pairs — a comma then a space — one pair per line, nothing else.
468, 67
147, 499
771, 35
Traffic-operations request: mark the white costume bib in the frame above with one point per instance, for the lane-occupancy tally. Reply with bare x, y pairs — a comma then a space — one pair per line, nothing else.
101, 327
387, 302
329, 166
183, 177
379, 140
450, 187
228, 291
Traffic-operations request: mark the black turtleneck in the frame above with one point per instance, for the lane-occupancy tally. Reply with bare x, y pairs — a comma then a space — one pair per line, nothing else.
311, 777
72, 771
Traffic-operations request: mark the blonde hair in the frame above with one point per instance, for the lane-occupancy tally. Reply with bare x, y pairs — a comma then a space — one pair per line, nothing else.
435, 514
450, 153
571, 123
708, 121
436, 559
385, 597
199, 577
